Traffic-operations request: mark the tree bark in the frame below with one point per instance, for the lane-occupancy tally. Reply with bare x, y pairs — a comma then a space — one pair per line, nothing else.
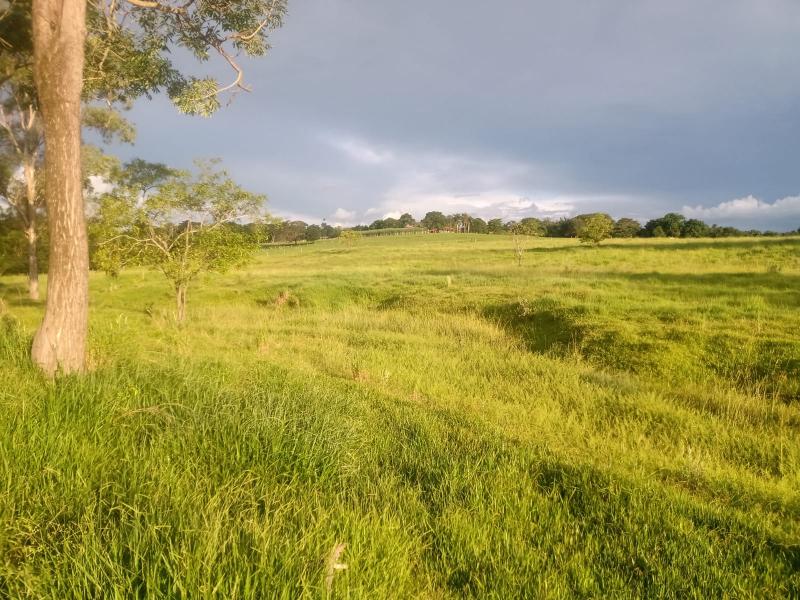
59, 34
30, 231
180, 301
33, 263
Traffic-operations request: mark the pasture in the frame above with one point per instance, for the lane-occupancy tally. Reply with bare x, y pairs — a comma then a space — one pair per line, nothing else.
619, 421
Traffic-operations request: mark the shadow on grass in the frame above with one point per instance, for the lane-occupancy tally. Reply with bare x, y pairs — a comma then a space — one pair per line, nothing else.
700, 244
740, 279
540, 330
778, 288
17, 295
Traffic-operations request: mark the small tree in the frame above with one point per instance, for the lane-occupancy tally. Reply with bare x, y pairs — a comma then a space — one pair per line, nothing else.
349, 236
517, 231
593, 229
177, 223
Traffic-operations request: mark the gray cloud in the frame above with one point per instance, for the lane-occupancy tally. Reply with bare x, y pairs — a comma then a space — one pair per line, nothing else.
518, 107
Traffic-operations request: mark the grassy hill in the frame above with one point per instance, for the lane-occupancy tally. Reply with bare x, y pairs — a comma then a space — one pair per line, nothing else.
621, 421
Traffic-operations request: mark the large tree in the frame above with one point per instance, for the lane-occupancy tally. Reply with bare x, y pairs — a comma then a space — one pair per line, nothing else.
128, 51
59, 35
626, 228
434, 220
670, 225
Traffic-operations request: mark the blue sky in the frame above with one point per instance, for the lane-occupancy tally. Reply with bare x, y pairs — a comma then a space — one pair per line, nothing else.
365, 109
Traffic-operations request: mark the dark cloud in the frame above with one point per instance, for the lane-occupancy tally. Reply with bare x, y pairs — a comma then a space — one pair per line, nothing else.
633, 106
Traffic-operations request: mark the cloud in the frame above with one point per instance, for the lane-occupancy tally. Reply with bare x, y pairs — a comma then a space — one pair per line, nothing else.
99, 184
340, 214
360, 151
634, 108
501, 203
782, 214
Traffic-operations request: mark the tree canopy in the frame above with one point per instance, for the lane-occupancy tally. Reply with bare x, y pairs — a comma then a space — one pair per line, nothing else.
178, 222
594, 228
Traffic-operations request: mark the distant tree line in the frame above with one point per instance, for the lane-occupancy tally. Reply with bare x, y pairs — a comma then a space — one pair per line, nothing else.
293, 232
670, 225
590, 228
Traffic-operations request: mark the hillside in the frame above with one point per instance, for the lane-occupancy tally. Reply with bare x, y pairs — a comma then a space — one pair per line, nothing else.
620, 421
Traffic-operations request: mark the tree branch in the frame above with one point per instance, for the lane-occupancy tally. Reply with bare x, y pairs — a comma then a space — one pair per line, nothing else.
239, 73
160, 7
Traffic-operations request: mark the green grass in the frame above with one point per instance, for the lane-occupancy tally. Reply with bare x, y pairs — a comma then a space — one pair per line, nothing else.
611, 422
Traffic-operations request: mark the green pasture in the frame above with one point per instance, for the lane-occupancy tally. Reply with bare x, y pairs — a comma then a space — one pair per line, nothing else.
611, 422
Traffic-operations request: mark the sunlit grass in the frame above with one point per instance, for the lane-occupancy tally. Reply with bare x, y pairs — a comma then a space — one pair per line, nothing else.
620, 421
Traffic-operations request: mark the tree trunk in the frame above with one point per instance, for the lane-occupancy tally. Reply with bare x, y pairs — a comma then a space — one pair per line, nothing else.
180, 302
33, 263
59, 33
30, 231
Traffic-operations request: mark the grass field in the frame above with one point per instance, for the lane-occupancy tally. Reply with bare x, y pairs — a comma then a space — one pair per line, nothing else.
611, 422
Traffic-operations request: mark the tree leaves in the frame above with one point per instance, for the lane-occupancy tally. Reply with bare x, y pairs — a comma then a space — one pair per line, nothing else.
178, 222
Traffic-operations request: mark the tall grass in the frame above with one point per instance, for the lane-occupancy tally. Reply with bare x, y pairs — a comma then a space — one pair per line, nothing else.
610, 422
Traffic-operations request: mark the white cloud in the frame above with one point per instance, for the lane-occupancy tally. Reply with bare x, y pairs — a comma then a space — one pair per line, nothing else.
296, 216
751, 210
342, 214
489, 204
414, 180
360, 151
99, 184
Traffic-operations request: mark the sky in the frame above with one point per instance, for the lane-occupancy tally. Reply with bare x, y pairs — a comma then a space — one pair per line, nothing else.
365, 109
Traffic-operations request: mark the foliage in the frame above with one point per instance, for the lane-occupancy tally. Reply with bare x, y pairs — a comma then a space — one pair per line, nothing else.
529, 226
397, 231
13, 245
288, 231
349, 236
626, 228
670, 224
478, 225
182, 225
434, 220
406, 220
594, 228
131, 46
109, 123
694, 228
313, 233
495, 226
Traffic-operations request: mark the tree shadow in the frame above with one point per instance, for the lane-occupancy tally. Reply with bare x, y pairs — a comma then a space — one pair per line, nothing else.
780, 289
540, 330
16, 294
739, 278
699, 244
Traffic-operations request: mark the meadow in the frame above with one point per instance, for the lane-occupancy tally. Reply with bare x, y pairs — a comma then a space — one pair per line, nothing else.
612, 422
